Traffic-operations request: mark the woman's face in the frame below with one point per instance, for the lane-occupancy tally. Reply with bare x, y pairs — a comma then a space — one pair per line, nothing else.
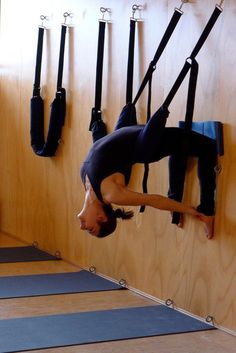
90, 220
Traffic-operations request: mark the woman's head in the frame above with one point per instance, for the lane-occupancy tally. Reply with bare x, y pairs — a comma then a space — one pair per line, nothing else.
109, 225
100, 220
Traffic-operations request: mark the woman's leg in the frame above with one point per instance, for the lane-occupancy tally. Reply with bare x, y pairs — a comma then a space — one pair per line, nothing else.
151, 137
180, 144
127, 117
204, 148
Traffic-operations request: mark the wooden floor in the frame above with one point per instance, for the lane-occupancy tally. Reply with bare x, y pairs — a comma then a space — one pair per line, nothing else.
214, 341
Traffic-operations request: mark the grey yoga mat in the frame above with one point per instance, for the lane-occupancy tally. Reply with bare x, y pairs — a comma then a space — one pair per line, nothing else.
24, 254
30, 333
56, 283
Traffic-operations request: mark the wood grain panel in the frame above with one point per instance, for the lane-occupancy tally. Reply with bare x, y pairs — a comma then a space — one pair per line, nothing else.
40, 197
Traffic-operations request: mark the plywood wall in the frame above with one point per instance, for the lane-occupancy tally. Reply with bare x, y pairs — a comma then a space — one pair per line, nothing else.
40, 197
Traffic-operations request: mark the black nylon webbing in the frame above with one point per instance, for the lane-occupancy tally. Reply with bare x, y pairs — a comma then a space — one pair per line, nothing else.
99, 68
58, 106
191, 95
217, 11
61, 57
130, 67
146, 165
148, 79
152, 66
192, 81
36, 87
177, 83
177, 191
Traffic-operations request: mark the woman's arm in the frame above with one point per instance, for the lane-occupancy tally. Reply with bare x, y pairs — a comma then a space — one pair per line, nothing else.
121, 195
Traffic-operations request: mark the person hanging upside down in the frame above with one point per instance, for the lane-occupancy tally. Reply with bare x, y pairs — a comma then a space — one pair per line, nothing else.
107, 169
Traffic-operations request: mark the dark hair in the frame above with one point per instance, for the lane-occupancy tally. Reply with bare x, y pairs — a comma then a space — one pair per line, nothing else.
109, 226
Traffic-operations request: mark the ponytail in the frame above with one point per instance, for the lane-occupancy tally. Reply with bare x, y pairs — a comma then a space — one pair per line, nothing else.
109, 226
121, 213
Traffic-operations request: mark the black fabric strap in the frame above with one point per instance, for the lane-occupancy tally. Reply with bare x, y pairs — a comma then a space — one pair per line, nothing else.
148, 79
152, 66
96, 115
99, 69
188, 115
146, 165
191, 95
130, 67
58, 106
61, 57
36, 87
177, 83
177, 188
179, 163
217, 11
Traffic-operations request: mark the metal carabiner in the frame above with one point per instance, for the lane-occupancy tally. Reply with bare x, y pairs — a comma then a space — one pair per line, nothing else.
43, 18
220, 5
135, 8
103, 10
66, 15
181, 5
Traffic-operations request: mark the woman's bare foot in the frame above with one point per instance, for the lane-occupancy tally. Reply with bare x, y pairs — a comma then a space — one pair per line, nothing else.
208, 224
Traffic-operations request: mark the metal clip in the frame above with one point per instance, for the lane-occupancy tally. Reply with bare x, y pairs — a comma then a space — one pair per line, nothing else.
43, 18
58, 254
210, 319
35, 244
66, 15
220, 5
104, 10
122, 282
135, 8
92, 269
181, 5
169, 302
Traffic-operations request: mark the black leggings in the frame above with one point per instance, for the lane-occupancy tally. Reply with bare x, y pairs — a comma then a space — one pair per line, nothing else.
156, 141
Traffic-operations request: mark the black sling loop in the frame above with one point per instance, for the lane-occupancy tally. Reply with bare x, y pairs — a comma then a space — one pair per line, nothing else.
152, 66
217, 11
190, 63
58, 106
148, 80
128, 115
97, 126
176, 181
130, 66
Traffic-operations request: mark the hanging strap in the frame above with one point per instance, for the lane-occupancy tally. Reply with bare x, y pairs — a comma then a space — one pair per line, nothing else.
148, 80
191, 95
189, 63
188, 116
177, 176
58, 107
61, 58
152, 66
130, 67
217, 11
36, 87
96, 111
146, 165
